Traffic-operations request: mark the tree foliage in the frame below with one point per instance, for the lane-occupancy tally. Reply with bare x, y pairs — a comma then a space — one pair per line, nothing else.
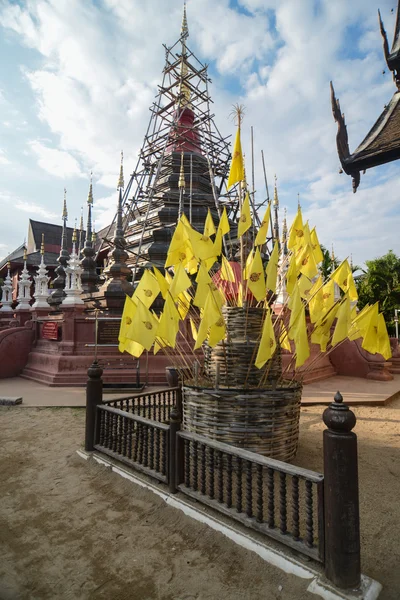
381, 282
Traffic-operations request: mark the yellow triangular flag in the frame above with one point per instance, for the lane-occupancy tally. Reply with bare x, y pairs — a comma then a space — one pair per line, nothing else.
169, 322
148, 289
284, 339
245, 221
296, 231
343, 322
126, 319
300, 338
316, 301
305, 287
291, 275
143, 328
236, 172
193, 329
306, 262
370, 339
267, 344
344, 278
162, 282
319, 257
256, 281
217, 332
263, 231
226, 272
271, 270
383, 338
224, 223
209, 227
180, 282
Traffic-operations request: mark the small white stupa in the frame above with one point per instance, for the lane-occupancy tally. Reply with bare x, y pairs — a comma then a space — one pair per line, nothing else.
24, 288
41, 283
73, 283
6, 289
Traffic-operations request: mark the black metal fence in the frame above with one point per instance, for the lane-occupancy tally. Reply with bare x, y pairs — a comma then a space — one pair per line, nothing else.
315, 514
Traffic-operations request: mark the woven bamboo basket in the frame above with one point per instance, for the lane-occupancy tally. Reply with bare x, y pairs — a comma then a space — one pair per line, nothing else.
260, 420
236, 354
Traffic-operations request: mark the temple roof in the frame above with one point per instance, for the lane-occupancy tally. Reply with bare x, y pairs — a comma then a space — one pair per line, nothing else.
52, 236
382, 143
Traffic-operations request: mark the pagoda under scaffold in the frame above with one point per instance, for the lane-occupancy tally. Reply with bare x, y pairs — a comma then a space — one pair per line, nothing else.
182, 165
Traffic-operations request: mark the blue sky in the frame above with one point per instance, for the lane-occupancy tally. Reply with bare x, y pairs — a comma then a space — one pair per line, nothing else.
77, 78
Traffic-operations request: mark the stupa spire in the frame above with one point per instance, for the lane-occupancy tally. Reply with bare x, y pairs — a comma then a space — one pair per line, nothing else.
284, 232
121, 183
89, 277
184, 28
58, 293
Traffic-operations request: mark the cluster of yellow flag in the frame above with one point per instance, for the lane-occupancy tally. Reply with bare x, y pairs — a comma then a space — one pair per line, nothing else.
192, 254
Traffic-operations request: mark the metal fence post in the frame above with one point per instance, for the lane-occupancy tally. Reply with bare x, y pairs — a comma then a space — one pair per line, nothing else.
342, 523
174, 427
94, 396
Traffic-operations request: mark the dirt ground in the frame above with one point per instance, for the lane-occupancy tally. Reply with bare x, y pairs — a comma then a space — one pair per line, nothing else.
73, 530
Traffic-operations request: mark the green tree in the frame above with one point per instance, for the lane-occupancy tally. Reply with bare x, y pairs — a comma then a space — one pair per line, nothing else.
380, 281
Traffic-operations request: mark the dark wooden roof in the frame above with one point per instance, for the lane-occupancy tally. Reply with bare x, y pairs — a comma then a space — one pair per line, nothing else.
52, 236
382, 144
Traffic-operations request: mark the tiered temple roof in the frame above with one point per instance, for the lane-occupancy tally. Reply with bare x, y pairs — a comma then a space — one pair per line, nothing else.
382, 143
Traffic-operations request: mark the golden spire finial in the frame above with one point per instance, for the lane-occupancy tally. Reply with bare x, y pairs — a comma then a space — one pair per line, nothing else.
42, 245
74, 236
298, 201
181, 183
121, 183
332, 254
351, 261
25, 254
184, 28
65, 212
81, 223
9, 265
276, 199
284, 227
90, 195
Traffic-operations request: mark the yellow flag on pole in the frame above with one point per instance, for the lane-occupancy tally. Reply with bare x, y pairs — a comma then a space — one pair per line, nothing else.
291, 275
316, 301
162, 282
143, 328
236, 172
284, 339
383, 338
268, 342
126, 319
168, 326
343, 322
316, 247
296, 231
226, 272
344, 278
271, 269
217, 332
180, 282
209, 227
263, 231
306, 262
148, 288
256, 281
224, 223
245, 221
300, 337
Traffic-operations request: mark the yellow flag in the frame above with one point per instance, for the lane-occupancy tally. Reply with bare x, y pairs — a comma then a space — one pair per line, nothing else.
306, 262
224, 223
184, 300
284, 339
296, 231
291, 275
133, 348
249, 260
256, 281
211, 314
218, 244
245, 221
226, 272
370, 339
193, 329
322, 329
158, 345
183, 255
217, 332
143, 328
180, 282
296, 306
307, 235
344, 278
316, 247
316, 301
360, 322
180, 236
168, 326
209, 227
343, 322
263, 231
162, 282
203, 275
236, 172
300, 337
271, 270
126, 319
148, 289
202, 245
267, 344
383, 338
305, 287
328, 295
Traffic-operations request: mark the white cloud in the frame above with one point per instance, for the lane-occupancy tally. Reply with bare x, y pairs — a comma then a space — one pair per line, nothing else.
34, 210
56, 162
3, 158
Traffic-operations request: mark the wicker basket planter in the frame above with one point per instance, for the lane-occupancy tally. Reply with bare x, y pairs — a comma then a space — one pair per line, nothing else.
235, 355
261, 420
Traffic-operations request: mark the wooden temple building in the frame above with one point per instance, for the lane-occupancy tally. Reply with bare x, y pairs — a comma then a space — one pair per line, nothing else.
381, 145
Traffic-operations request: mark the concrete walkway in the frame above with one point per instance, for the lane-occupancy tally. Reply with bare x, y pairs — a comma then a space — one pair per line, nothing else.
354, 390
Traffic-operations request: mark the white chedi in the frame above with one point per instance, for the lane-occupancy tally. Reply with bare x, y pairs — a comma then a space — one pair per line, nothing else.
6, 292
73, 283
41, 279
24, 288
